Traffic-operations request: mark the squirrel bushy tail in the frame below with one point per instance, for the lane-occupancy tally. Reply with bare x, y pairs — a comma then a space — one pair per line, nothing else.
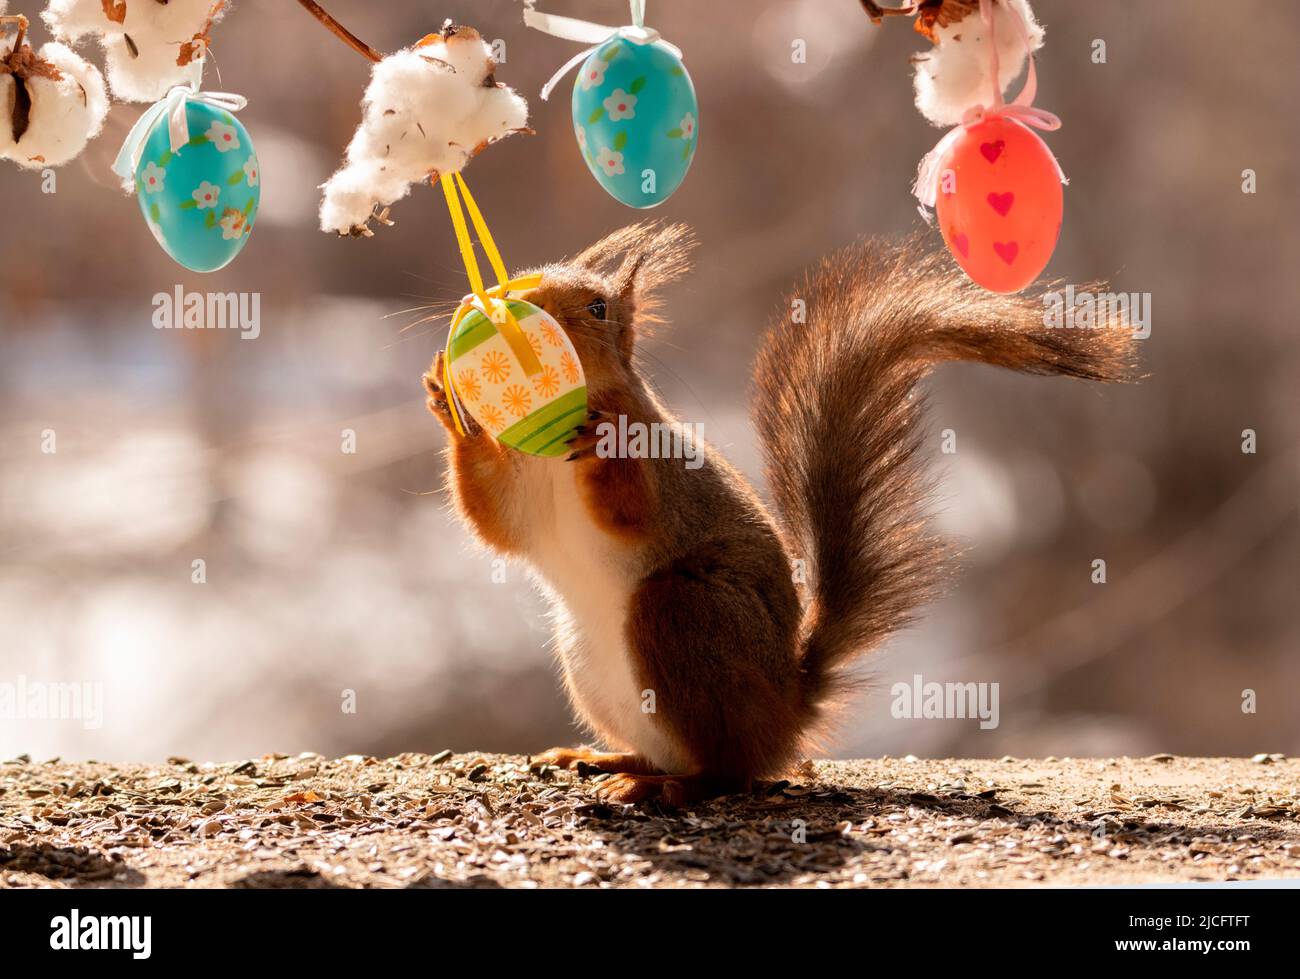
840, 422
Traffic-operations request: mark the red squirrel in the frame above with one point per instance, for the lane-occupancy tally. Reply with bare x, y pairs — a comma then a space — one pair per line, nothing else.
678, 581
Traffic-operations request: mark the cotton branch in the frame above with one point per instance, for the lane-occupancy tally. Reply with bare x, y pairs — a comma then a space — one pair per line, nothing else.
341, 32
21, 21
878, 13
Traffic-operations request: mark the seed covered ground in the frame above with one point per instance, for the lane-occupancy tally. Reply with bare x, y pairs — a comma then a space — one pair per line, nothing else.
467, 820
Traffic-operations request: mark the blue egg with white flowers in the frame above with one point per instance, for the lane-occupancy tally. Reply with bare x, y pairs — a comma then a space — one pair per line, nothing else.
637, 119
201, 200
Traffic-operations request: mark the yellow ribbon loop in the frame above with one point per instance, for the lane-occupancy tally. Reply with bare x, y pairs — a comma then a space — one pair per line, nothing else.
491, 301
451, 391
484, 235
462, 236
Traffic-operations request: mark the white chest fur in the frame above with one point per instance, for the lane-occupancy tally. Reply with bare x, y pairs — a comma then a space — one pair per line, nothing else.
590, 576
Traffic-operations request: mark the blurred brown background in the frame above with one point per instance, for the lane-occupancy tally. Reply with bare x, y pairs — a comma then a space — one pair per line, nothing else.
328, 571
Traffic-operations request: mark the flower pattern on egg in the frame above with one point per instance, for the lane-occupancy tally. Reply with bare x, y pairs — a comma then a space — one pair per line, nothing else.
492, 417
610, 161
547, 382
620, 105
206, 194
153, 178
232, 223
570, 367
467, 384
495, 367
250, 171
593, 75
552, 334
517, 400
223, 137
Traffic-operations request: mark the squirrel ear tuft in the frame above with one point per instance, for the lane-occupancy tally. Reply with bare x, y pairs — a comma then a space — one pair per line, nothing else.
642, 257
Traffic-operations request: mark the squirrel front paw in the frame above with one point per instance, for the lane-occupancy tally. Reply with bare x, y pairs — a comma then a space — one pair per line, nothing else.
613, 762
585, 438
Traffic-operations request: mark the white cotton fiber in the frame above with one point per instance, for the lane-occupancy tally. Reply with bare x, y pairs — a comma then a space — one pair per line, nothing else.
146, 75
65, 114
426, 111
352, 193
955, 75
140, 51
73, 19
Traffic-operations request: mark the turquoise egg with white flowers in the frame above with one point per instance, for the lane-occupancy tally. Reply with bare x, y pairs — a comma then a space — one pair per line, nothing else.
200, 200
637, 120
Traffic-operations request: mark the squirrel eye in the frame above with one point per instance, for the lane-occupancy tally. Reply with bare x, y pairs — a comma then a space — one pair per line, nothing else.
597, 308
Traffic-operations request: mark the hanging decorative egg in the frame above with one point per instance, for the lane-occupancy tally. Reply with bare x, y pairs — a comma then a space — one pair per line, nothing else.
636, 118
536, 413
999, 203
199, 199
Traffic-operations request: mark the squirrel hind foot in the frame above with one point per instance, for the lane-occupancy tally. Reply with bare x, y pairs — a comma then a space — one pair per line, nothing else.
671, 790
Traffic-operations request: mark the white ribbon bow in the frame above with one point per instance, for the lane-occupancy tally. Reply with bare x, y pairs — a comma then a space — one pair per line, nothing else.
178, 129
572, 29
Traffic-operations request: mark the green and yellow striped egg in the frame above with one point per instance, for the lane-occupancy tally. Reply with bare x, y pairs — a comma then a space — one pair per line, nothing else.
535, 414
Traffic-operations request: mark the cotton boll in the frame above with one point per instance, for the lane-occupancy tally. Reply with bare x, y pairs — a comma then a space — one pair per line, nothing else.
955, 75
65, 114
427, 110
147, 74
145, 69
141, 50
352, 194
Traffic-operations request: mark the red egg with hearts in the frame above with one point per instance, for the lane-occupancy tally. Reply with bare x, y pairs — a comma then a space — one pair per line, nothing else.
999, 204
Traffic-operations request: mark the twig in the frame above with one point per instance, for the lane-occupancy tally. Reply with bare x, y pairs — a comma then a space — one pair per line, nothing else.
878, 13
341, 32
21, 21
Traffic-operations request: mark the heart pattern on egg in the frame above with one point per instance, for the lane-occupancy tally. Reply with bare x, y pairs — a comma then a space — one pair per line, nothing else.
993, 150
1007, 250
1001, 202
